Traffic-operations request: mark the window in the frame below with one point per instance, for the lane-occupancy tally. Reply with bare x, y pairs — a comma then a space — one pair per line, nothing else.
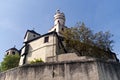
62, 29
13, 53
46, 39
7, 53
34, 36
55, 30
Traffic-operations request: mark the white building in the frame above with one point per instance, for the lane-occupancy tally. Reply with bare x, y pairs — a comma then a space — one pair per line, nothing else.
45, 46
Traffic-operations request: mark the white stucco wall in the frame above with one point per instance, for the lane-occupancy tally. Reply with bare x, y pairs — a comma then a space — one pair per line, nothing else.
22, 57
38, 49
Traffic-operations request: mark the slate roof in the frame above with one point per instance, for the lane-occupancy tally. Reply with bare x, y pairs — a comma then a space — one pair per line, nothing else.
13, 49
31, 31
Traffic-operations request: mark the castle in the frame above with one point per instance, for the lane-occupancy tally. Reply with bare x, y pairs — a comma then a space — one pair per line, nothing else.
47, 46
43, 46
60, 65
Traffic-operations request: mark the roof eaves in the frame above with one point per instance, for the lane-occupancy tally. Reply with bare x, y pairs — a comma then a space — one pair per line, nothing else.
12, 49
53, 32
32, 31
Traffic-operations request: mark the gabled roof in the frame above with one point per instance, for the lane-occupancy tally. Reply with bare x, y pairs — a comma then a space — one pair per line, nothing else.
31, 31
41, 36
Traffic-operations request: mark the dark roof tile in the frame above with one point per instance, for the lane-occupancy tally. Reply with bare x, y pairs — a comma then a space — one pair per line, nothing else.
32, 31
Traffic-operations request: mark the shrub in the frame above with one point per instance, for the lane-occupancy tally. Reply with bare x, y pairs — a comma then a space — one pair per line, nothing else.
36, 61
10, 61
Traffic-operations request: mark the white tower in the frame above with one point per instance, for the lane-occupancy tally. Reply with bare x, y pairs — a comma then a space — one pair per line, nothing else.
59, 22
59, 18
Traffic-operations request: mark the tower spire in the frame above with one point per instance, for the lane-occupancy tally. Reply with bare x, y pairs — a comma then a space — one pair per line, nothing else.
14, 46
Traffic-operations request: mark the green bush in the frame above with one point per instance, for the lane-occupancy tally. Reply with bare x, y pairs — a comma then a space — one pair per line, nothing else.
36, 61
10, 61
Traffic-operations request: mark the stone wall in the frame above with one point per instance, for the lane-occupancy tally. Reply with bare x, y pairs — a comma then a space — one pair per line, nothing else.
67, 70
108, 70
68, 57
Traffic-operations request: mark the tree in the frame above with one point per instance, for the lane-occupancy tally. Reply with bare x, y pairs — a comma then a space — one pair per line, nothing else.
83, 41
0, 68
103, 41
85, 35
10, 61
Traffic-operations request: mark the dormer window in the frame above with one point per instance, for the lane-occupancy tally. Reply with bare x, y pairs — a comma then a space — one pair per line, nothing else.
46, 39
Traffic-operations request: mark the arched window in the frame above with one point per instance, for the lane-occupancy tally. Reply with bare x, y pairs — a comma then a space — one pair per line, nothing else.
7, 53
13, 53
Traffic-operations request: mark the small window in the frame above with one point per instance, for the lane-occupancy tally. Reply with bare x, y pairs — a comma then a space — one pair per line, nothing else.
13, 53
46, 39
62, 29
55, 30
34, 36
7, 53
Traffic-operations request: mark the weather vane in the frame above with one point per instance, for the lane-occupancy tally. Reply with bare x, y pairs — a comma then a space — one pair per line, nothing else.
58, 10
14, 46
33, 28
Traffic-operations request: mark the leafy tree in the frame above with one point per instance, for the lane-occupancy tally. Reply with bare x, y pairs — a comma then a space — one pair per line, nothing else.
0, 68
10, 61
84, 33
83, 41
102, 40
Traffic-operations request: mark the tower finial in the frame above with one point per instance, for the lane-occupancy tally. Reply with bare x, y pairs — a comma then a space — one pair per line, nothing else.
14, 46
58, 11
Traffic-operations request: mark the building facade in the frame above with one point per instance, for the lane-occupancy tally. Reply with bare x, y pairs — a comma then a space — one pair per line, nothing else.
44, 46
49, 47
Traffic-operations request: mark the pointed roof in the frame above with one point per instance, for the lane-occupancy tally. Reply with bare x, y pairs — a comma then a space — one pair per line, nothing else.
31, 31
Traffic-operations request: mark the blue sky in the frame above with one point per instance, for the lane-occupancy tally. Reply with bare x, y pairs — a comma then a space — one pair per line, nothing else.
16, 16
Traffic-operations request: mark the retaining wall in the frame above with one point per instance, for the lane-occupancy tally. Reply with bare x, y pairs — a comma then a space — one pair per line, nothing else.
68, 70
